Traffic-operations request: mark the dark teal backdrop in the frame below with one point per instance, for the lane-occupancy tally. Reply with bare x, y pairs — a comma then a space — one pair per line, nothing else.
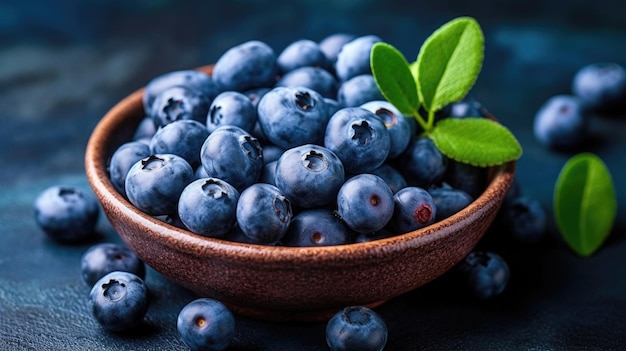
63, 64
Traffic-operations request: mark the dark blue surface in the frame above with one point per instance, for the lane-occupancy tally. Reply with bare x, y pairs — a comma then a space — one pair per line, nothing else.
63, 64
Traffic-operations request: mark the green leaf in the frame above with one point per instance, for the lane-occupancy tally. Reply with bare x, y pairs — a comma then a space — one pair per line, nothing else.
477, 141
585, 203
449, 62
394, 79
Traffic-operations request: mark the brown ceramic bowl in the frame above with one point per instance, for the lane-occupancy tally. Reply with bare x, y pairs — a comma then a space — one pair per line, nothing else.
285, 283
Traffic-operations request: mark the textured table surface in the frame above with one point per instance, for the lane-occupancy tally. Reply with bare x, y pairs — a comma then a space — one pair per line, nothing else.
63, 66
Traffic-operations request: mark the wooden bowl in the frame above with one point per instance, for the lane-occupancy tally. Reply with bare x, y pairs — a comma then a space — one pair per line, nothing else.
285, 283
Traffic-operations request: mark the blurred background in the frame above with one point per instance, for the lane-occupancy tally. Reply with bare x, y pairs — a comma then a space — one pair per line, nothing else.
64, 63
63, 58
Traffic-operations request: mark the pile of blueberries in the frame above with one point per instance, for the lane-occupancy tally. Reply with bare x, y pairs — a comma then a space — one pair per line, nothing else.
295, 149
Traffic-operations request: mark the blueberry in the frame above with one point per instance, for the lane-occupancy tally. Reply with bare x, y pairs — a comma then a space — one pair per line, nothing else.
200, 172
122, 159
468, 107
271, 153
601, 87
377, 235
104, 258
414, 208
249, 65
485, 273
263, 213
524, 219
232, 108
359, 138
365, 203
314, 78
258, 133
235, 234
145, 130
233, 155
178, 103
256, 94
356, 328
397, 124
188, 78
391, 176
119, 301
206, 324
301, 53
183, 138
449, 201
208, 206
67, 214
358, 90
354, 57
422, 164
154, 183
332, 106
469, 178
293, 116
317, 227
332, 44
561, 122
309, 175
269, 173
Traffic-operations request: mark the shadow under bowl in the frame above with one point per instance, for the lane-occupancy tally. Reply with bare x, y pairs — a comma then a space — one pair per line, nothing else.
285, 283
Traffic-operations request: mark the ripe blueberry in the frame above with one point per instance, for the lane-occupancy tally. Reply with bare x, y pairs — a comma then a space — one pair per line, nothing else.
356, 328
66, 213
309, 175
154, 183
414, 208
263, 213
232, 155
191, 78
354, 57
561, 122
601, 87
232, 108
317, 227
123, 158
183, 138
207, 206
359, 138
178, 103
102, 259
485, 273
365, 203
249, 65
119, 301
206, 324
293, 116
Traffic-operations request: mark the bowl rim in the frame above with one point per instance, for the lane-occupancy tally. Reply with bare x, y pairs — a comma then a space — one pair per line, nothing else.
100, 148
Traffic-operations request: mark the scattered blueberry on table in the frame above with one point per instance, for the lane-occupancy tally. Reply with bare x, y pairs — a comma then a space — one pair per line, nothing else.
104, 258
119, 301
356, 328
485, 273
206, 325
67, 214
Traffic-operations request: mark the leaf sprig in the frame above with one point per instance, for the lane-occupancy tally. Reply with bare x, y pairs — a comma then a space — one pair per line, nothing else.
445, 70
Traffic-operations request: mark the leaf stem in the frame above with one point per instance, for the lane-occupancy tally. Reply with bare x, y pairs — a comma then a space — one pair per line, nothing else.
420, 121
431, 120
